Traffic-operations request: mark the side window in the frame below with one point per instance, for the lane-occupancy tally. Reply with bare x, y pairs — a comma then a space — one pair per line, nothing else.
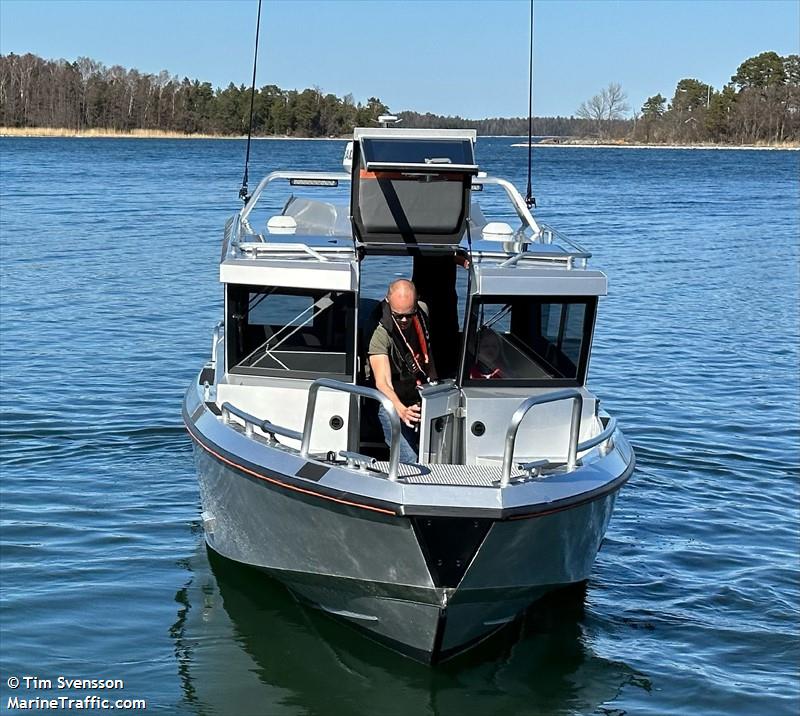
529, 341
574, 322
284, 310
551, 320
497, 316
290, 332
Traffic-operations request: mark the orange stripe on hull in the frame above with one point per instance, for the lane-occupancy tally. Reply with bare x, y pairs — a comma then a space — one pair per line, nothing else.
410, 175
275, 481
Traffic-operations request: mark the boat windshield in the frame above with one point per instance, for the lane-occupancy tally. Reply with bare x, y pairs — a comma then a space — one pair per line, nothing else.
529, 341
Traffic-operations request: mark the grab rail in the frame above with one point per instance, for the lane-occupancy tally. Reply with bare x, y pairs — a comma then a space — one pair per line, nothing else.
311, 175
516, 200
601, 437
251, 421
522, 411
513, 194
304, 438
394, 419
215, 337
549, 233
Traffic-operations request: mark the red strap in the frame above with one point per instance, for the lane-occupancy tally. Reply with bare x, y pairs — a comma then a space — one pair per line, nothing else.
421, 337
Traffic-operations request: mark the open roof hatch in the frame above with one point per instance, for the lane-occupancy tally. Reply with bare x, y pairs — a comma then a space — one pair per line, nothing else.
411, 187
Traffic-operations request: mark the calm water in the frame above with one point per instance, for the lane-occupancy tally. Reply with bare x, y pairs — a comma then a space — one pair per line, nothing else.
109, 293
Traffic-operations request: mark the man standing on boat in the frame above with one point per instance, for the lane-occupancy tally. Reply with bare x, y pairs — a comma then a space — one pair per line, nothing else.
401, 362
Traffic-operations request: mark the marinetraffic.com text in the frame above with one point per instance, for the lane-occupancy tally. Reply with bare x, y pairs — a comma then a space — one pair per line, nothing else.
36, 693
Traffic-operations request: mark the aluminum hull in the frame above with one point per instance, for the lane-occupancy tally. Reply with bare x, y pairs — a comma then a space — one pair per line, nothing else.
391, 569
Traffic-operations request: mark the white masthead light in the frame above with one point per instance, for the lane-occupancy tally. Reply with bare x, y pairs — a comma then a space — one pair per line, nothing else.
387, 120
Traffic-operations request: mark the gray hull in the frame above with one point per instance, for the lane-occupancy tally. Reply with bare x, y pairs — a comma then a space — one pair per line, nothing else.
430, 586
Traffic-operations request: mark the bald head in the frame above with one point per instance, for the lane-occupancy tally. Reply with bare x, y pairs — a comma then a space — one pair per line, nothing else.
402, 296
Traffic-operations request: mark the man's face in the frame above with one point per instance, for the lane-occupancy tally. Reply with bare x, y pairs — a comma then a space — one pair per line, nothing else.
402, 303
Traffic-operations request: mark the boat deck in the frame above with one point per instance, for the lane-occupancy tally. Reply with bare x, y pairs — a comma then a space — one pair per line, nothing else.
486, 475
439, 474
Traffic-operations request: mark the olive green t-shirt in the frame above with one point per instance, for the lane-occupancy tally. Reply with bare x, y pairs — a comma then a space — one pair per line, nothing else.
380, 344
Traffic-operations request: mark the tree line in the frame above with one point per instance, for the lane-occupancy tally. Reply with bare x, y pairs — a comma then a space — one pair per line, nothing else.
761, 103
86, 94
500, 126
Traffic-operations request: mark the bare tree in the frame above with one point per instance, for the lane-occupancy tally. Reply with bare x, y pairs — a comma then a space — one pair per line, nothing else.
616, 104
608, 105
594, 110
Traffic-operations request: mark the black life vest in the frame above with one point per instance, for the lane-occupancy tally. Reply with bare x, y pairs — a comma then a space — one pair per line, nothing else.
414, 370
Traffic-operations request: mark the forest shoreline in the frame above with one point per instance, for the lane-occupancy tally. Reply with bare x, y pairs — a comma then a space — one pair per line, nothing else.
57, 132
65, 133
791, 146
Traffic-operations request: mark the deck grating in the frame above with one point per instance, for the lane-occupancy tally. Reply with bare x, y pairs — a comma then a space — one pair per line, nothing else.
435, 474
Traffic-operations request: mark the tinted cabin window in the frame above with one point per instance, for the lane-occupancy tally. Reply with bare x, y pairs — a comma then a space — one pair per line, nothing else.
298, 333
524, 340
418, 151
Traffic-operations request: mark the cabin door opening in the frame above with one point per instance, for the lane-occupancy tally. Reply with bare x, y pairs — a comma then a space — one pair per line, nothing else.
442, 284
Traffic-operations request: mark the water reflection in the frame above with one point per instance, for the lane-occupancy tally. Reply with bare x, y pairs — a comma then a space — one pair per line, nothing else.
245, 646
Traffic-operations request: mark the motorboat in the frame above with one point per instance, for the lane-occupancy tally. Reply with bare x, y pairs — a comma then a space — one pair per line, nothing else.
518, 468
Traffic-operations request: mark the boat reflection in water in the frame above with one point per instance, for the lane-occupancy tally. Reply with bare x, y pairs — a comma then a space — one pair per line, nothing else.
244, 645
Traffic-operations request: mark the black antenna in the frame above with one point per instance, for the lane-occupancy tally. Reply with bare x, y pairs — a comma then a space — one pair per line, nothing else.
529, 199
243, 191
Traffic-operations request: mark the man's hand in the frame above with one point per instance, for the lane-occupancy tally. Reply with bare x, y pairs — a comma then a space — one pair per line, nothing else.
382, 373
409, 415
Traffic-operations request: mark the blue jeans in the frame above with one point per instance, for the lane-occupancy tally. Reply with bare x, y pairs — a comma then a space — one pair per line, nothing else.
409, 438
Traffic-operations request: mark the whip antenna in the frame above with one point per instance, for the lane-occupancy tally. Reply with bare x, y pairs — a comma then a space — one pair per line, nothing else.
243, 191
529, 199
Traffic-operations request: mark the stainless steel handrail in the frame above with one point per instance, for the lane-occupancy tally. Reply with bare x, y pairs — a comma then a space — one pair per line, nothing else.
253, 200
215, 340
522, 411
251, 421
232, 229
273, 429
530, 256
549, 233
394, 419
607, 432
524, 256
511, 191
516, 200
341, 254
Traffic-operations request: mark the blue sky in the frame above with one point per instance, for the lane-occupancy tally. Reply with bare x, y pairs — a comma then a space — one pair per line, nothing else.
465, 57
